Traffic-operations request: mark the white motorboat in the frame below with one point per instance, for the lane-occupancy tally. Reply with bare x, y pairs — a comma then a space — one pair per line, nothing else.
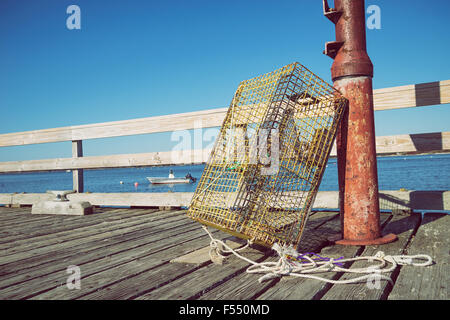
163, 180
171, 179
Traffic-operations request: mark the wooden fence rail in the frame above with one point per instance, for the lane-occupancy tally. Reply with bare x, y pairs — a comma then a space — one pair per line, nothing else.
413, 143
389, 200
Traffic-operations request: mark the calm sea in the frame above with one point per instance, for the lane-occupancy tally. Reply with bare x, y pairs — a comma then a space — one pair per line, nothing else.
425, 172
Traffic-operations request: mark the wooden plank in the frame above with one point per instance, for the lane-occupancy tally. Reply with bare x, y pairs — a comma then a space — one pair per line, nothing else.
289, 288
44, 279
167, 123
79, 231
384, 99
27, 229
179, 157
413, 143
54, 242
27, 222
404, 227
202, 255
410, 143
122, 281
115, 249
406, 143
155, 278
11, 211
24, 230
201, 280
77, 174
15, 224
426, 283
40, 279
10, 220
36, 231
417, 95
389, 200
30, 226
175, 199
9, 258
6, 199
132, 286
245, 286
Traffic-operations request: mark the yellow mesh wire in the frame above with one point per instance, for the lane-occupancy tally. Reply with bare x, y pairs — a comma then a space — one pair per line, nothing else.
268, 160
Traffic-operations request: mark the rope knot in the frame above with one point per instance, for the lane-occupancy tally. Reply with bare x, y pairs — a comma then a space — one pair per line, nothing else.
305, 266
409, 260
402, 260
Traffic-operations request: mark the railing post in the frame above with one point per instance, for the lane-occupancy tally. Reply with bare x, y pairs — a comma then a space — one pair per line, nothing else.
352, 73
78, 179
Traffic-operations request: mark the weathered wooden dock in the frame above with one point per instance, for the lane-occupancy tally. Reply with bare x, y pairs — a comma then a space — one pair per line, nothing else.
127, 253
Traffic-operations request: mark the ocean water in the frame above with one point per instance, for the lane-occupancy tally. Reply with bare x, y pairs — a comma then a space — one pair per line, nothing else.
424, 172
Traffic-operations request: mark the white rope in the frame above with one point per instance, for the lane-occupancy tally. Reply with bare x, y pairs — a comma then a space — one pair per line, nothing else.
215, 248
286, 265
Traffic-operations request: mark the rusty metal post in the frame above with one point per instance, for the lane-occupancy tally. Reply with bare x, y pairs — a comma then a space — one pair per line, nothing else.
352, 73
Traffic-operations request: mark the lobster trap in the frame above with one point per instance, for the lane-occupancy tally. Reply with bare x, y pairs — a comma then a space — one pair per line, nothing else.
264, 171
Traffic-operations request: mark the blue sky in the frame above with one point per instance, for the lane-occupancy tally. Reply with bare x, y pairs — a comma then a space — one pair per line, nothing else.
135, 59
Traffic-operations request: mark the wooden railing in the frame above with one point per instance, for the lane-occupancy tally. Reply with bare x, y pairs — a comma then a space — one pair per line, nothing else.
417, 95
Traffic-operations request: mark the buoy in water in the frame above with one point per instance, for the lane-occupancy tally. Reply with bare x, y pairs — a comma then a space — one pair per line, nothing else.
121, 182
136, 184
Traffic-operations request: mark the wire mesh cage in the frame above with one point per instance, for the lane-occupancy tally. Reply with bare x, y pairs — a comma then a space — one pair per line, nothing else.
269, 157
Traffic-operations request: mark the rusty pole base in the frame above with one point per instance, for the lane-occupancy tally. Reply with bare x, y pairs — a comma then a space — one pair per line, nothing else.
365, 242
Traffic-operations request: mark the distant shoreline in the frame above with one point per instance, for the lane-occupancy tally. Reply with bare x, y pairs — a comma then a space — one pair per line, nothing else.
198, 164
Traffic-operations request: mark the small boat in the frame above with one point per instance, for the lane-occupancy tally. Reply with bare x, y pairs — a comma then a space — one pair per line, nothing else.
171, 179
163, 180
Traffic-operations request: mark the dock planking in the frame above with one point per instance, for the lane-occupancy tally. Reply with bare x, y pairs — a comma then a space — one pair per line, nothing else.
291, 288
126, 254
432, 282
404, 227
68, 244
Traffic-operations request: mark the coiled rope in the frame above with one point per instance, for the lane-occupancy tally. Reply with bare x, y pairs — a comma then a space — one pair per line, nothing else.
289, 263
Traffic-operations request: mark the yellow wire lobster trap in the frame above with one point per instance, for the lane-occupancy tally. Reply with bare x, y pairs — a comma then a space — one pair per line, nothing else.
264, 171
